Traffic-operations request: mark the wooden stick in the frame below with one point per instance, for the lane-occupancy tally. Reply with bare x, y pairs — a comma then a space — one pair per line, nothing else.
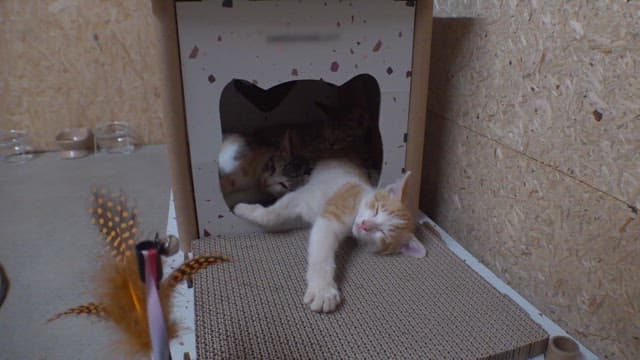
178, 151
418, 99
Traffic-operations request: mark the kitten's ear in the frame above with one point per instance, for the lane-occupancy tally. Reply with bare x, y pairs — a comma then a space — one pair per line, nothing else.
413, 247
398, 188
285, 144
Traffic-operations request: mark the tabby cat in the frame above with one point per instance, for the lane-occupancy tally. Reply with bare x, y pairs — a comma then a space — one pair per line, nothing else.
340, 133
343, 132
256, 173
260, 167
339, 201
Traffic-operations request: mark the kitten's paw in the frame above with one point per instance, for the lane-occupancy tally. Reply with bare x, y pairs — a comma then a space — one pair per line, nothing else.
323, 299
246, 211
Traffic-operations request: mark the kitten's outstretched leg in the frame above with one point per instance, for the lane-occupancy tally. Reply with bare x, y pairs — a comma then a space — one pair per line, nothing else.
283, 213
245, 196
322, 294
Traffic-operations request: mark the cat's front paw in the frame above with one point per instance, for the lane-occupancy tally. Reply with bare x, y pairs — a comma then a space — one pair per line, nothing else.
322, 299
247, 211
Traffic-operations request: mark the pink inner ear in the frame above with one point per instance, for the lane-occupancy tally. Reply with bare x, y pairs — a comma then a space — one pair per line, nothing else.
414, 248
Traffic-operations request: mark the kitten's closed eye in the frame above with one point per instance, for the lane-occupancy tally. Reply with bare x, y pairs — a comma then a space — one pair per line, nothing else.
296, 167
270, 166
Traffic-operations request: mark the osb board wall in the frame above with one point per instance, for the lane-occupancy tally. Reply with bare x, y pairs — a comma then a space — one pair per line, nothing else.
533, 155
80, 62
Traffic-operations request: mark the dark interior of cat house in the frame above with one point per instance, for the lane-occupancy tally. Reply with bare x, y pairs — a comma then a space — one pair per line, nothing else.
272, 138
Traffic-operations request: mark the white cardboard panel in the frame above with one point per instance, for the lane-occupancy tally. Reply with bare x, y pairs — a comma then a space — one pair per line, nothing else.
264, 42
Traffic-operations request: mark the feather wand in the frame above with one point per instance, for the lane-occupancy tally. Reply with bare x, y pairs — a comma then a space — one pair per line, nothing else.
120, 294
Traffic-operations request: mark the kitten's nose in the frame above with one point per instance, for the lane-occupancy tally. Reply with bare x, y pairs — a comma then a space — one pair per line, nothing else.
363, 226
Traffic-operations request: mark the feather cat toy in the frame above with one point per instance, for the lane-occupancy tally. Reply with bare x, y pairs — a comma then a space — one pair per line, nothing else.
120, 290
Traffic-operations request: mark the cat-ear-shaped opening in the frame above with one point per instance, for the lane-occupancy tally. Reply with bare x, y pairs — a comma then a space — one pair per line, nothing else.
397, 188
413, 247
265, 100
327, 109
352, 114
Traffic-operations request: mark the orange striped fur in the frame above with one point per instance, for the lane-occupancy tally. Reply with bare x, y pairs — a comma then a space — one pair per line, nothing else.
396, 233
248, 171
343, 204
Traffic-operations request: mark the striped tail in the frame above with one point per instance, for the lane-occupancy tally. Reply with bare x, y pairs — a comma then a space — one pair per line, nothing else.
88, 309
193, 266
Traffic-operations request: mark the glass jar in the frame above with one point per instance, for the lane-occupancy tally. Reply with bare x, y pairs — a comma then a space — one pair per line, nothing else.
14, 146
113, 138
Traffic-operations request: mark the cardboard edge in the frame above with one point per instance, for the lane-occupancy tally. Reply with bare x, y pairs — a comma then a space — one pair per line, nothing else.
177, 143
418, 98
177, 140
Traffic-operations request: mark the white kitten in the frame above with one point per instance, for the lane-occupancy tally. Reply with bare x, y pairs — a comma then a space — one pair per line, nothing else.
338, 201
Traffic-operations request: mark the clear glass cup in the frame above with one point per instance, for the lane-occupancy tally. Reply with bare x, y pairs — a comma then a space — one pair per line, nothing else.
14, 146
74, 142
113, 138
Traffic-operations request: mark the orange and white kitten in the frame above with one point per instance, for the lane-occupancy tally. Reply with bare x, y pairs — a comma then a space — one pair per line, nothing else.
258, 173
338, 201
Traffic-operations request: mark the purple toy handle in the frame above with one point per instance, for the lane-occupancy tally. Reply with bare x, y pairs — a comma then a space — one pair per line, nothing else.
157, 327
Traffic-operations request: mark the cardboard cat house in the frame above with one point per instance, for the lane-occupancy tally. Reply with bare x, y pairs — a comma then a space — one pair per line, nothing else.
249, 65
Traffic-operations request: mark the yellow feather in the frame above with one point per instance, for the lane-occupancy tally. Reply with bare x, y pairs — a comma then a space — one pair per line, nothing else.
193, 266
115, 220
121, 299
88, 309
119, 292
122, 293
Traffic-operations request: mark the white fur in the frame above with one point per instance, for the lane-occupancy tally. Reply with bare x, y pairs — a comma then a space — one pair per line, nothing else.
233, 145
377, 222
306, 204
308, 201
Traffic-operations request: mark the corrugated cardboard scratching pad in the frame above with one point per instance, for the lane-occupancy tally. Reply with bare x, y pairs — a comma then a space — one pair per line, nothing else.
393, 307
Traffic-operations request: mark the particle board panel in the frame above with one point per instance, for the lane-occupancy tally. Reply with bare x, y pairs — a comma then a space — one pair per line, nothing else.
71, 63
569, 249
553, 79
